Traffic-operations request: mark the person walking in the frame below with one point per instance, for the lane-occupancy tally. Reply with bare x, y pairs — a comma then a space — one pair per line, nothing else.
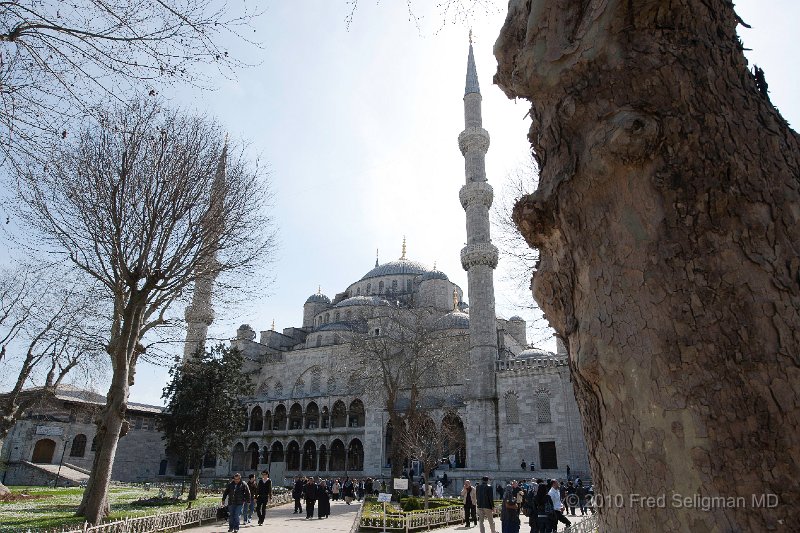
336, 489
485, 504
470, 500
249, 506
237, 494
558, 514
509, 513
543, 510
323, 500
297, 494
263, 495
311, 497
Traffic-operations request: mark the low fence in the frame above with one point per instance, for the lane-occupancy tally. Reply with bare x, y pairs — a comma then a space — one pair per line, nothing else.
414, 520
165, 521
587, 525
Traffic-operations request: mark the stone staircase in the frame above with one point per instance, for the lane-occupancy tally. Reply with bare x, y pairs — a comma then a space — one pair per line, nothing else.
69, 476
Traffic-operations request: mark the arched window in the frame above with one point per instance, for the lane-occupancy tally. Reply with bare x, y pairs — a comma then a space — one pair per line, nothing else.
394, 285
268, 420
337, 455
543, 414
336, 316
355, 456
358, 291
312, 416
252, 456
279, 418
296, 417
323, 459
455, 438
338, 415
299, 388
324, 422
319, 341
349, 314
331, 385
238, 457
512, 408
316, 377
293, 456
276, 454
380, 288
356, 414
369, 288
309, 456
43, 451
279, 390
78, 446
408, 285
256, 419
327, 317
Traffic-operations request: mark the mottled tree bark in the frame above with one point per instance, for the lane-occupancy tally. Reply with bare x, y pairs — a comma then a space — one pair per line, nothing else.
668, 222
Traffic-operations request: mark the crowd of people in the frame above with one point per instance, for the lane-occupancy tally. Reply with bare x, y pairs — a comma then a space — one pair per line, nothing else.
544, 502
244, 497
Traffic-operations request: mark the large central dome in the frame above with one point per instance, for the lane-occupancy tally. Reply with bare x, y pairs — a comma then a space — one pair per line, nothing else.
400, 266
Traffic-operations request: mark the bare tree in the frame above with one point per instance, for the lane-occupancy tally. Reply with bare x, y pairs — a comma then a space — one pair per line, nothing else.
57, 59
145, 202
47, 328
412, 358
667, 221
449, 11
428, 442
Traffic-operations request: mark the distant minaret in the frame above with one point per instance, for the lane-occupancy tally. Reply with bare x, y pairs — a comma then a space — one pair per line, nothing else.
479, 256
200, 314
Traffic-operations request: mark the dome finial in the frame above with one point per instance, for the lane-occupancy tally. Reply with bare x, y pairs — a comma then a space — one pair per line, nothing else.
455, 300
470, 36
434, 265
376, 257
404, 248
319, 289
273, 325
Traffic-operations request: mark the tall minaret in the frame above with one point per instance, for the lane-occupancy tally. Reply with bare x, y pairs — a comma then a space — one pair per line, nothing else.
200, 314
479, 259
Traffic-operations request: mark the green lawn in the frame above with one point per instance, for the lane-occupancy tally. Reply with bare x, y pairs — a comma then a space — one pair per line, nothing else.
54, 508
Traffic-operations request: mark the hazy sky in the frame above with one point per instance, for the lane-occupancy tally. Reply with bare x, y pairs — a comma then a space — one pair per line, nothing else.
360, 129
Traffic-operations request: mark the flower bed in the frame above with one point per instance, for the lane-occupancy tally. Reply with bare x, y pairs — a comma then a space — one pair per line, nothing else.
441, 511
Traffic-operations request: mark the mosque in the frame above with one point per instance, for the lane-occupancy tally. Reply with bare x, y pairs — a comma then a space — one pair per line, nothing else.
313, 414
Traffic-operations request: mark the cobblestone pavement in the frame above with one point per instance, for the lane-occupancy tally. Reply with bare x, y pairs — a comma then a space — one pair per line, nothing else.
283, 520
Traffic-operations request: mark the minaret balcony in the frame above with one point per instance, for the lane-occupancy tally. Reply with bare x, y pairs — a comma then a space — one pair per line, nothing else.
482, 253
472, 140
476, 193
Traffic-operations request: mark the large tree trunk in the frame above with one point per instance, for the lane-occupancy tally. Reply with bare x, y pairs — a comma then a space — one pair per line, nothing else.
112, 424
195, 483
668, 225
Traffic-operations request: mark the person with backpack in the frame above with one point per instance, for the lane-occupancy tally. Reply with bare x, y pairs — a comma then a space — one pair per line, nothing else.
485, 504
543, 508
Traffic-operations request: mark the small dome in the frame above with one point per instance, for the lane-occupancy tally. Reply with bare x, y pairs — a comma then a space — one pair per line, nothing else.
318, 298
245, 326
535, 353
516, 318
453, 320
401, 266
363, 300
434, 274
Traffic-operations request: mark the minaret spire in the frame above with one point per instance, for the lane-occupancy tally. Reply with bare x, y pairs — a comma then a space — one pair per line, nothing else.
479, 258
200, 313
403, 256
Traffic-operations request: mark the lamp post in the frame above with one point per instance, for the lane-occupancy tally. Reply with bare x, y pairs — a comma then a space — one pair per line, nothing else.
61, 462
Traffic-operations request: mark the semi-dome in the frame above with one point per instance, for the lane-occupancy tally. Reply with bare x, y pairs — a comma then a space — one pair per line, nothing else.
453, 320
434, 274
516, 318
400, 266
363, 300
318, 298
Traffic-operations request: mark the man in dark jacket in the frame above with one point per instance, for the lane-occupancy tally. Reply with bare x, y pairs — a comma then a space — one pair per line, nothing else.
297, 494
485, 504
237, 494
263, 495
311, 497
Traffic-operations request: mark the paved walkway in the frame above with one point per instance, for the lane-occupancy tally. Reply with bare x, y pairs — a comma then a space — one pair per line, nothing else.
283, 520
